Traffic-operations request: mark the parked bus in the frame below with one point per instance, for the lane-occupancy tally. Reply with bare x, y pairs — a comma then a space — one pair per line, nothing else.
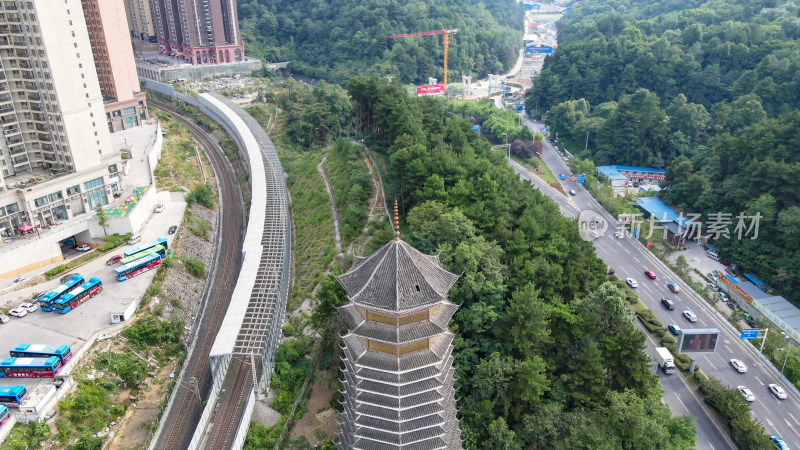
141, 248
11, 396
4, 415
134, 268
29, 367
62, 352
78, 295
160, 249
47, 300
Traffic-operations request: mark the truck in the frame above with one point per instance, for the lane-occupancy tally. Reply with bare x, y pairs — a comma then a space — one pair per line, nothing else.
665, 360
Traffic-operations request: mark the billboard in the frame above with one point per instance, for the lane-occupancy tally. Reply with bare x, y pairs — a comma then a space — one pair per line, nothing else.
701, 340
734, 289
430, 89
538, 48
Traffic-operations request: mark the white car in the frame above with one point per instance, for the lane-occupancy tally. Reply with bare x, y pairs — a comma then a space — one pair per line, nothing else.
18, 312
619, 235
631, 282
746, 393
20, 279
30, 307
690, 316
3, 318
722, 296
739, 366
159, 207
777, 391
83, 248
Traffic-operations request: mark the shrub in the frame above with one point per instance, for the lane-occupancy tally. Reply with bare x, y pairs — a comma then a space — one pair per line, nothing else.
150, 331
668, 340
57, 270
195, 267
201, 194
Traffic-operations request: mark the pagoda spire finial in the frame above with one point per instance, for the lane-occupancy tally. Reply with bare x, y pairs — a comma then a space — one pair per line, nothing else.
396, 222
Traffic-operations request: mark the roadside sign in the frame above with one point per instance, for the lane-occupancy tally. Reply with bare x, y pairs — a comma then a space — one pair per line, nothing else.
635, 233
750, 333
581, 177
573, 178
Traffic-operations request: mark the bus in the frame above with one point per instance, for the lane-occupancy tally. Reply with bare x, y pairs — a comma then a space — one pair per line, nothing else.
4, 415
29, 367
160, 249
141, 248
47, 300
134, 268
78, 295
11, 396
62, 352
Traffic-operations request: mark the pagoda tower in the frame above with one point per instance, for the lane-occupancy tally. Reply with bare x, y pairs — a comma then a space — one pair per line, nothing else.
398, 352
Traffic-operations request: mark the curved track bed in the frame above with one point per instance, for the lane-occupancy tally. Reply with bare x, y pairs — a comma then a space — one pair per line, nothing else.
180, 420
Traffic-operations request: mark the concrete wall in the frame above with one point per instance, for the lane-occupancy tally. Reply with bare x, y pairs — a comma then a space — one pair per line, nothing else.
36, 254
133, 222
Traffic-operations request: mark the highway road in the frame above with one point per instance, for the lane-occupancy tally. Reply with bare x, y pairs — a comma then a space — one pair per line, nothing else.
629, 259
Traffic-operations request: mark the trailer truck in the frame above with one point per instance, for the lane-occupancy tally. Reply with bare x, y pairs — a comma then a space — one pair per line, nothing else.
665, 360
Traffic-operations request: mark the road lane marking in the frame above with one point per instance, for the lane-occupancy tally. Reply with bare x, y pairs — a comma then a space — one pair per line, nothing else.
728, 348
793, 418
758, 380
679, 400
770, 423
629, 252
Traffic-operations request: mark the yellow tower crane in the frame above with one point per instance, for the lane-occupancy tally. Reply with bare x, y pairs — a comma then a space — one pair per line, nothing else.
445, 43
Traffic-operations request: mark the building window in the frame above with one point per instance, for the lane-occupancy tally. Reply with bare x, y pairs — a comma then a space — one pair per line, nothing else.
112, 168
97, 197
73, 190
129, 111
12, 208
91, 184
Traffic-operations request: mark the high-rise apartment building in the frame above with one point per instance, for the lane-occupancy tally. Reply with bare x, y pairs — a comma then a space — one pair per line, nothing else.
140, 20
125, 103
199, 31
56, 156
398, 352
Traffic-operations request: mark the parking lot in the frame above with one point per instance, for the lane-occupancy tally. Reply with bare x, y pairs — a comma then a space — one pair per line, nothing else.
78, 326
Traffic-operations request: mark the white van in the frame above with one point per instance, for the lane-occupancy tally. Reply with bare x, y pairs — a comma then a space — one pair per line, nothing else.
712, 255
134, 239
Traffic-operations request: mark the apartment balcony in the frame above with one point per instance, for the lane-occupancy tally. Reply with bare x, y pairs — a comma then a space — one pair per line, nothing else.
20, 160
22, 53
6, 109
31, 86
11, 130
42, 128
47, 147
45, 138
38, 117
32, 95
15, 29
25, 64
17, 150
37, 107
5, 98
5, 120
4, 42
14, 140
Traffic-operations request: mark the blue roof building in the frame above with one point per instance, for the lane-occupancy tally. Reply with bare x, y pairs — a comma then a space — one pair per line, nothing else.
754, 279
653, 206
611, 173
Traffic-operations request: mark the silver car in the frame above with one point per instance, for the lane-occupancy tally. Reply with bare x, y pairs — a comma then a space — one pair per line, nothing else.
746, 393
18, 312
777, 391
690, 316
739, 366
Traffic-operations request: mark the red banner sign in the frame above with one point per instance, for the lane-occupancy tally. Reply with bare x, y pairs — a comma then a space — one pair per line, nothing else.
736, 289
430, 89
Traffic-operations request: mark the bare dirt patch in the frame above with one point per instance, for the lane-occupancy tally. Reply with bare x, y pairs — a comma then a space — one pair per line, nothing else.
320, 419
135, 426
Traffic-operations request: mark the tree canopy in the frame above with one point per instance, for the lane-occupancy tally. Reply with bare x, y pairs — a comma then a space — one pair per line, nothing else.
546, 352
707, 90
335, 40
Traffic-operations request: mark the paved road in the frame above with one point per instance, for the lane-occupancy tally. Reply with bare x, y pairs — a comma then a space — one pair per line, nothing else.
629, 259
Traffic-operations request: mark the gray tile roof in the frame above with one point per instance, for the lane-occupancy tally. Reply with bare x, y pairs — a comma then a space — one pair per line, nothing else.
397, 278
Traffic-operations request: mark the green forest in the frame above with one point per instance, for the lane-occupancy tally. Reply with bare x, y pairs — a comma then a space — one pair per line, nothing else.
335, 40
547, 355
708, 90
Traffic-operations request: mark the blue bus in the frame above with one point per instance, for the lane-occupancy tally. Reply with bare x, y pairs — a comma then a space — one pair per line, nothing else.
160, 249
11, 396
46, 301
78, 295
141, 248
29, 367
62, 352
4, 415
134, 268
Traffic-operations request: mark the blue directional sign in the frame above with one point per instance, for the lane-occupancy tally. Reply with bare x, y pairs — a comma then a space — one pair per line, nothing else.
750, 333
581, 177
635, 233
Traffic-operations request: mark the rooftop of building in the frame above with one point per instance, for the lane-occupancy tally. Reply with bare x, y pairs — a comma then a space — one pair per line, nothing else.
754, 279
397, 277
639, 169
611, 173
660, 211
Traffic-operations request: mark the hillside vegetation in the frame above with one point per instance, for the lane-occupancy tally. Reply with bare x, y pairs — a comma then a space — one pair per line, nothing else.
335, 40
547, 355
706, 89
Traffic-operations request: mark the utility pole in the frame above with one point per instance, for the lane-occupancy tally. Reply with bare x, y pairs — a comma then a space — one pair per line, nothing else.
586, 147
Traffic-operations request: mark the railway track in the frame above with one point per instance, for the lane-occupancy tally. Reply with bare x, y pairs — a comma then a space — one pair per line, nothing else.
237, 383
181, 419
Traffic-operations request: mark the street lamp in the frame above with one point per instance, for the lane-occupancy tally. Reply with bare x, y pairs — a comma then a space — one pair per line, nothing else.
505, 136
